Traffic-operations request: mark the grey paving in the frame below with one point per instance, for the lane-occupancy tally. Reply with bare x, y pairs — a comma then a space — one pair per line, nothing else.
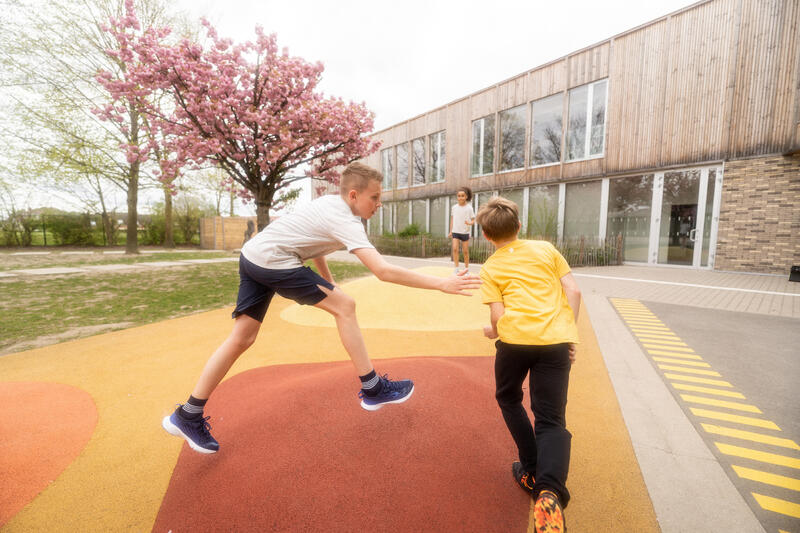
48, 271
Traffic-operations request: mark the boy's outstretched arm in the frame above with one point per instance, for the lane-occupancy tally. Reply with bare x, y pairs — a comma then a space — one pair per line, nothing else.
496, 310
460, 283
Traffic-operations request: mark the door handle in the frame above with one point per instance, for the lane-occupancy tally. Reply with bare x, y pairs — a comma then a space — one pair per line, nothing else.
693, 234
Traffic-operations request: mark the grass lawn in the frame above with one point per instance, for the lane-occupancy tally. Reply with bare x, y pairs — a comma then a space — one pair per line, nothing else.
45, 310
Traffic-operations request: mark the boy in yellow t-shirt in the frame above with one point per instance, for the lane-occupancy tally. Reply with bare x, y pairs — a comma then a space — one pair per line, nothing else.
534, 303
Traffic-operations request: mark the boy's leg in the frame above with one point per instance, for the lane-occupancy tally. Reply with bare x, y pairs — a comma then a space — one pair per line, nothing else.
245, 330
511, 367
549, 384
343, 308
376, 391
465, 248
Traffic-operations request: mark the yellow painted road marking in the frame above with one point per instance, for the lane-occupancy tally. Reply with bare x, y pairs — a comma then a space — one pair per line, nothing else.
751, 436
673, 354
657, 335
692, 379
768, 478
653, 329
709, 390
691, 370
647, 321
755, 455
777, 505
681, 362
721, 403
738, 419
665, 341
665, 345
676, 354
637, 314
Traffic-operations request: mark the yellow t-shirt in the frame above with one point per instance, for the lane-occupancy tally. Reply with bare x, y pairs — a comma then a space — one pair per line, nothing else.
526, 277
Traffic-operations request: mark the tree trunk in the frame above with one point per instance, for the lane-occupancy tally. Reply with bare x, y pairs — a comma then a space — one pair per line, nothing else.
169, 238
264, 198
132, 235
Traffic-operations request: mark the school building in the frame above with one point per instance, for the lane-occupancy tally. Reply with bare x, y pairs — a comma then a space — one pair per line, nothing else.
681, 135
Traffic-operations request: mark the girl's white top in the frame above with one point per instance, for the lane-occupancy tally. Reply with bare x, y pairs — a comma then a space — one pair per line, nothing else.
461, 214
323, 226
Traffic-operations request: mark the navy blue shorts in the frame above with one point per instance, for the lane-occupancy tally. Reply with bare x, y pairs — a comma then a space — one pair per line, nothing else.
258, 285
461, 236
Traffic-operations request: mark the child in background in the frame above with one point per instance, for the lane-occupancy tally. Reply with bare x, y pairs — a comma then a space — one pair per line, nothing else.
534, 303
462, 217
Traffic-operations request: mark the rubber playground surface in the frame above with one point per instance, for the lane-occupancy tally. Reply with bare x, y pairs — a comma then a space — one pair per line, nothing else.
82, 448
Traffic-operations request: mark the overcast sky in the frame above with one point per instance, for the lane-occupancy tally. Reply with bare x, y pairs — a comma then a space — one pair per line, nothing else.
405, 58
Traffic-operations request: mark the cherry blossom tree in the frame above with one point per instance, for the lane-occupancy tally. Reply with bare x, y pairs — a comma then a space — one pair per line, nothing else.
254, 111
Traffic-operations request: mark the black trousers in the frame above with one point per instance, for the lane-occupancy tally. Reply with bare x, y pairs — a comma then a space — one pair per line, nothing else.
544, 449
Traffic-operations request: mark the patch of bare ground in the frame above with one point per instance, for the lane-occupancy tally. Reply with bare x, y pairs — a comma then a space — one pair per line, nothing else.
70, 334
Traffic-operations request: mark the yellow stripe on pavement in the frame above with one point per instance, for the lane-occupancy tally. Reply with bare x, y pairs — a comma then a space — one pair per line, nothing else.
643, 320
776, 505
738, 419
755, 455
660, 335
672, 354
751, 436
709, 390
652, 329
711, 373
721, 403
666, 345
768, 478
677, 355
692, 379
681, 362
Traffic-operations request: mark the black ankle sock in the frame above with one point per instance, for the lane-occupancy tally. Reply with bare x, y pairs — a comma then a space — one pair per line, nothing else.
193, 408
370, 383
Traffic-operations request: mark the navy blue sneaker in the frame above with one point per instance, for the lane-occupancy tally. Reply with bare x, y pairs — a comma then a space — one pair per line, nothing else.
391, 392
194, 431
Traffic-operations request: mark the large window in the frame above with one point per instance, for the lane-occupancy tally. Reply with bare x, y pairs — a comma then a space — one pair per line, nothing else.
419, 214
418, 166
547, 130
512, 138
440, 220
629, 204
402, 212
402, 166
387, 166
542, 220
587, 121
582, 210
483, 146
437, 148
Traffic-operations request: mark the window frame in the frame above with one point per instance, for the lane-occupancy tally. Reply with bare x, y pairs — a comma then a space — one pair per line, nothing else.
408, 166
494, 146
412, 166
498, 140
587, 141
392, 153
441, 154
532, 132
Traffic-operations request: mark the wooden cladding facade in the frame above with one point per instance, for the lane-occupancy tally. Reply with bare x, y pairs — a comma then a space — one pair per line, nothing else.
716, 81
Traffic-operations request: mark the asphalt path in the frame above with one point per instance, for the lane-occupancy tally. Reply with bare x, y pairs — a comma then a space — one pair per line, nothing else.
759, 356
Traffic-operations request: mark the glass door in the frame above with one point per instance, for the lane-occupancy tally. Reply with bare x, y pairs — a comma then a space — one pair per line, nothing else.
686, 217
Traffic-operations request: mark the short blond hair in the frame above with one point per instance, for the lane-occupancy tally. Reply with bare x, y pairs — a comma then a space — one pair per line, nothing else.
499, 218
356, 176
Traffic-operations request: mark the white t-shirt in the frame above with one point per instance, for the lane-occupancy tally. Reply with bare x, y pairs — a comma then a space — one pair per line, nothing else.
461, 214
323, 226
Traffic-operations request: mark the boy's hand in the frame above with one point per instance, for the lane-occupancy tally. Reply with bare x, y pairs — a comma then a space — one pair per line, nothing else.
572, 352
489, 332
461, 283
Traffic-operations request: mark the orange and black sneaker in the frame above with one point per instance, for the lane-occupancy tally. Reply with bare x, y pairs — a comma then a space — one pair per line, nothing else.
523, 477
548, 516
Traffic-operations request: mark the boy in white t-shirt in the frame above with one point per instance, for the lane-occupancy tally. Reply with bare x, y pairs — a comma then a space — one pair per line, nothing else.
462, 217
272, 261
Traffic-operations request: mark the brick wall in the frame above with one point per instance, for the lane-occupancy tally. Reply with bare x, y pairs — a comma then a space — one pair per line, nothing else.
759, 225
